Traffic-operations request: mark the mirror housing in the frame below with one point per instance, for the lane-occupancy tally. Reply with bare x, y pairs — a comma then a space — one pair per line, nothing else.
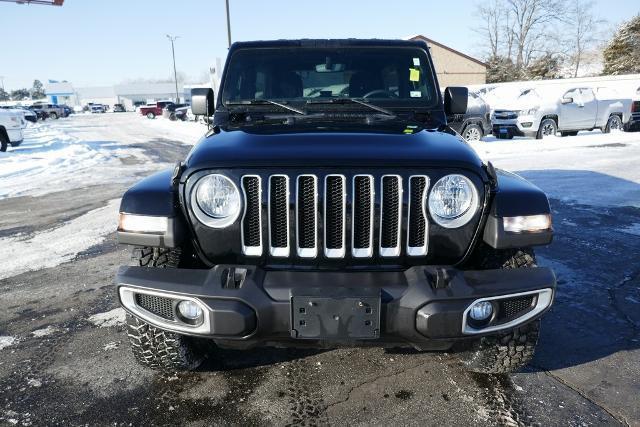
455, 100
567, 100
202, 101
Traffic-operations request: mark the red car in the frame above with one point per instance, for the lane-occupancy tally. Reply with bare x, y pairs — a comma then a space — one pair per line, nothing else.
151, 111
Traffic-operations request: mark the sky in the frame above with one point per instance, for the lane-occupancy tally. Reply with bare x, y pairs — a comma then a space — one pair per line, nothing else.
100, 42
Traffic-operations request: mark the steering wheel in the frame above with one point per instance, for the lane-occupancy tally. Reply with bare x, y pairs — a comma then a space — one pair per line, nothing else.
388, 94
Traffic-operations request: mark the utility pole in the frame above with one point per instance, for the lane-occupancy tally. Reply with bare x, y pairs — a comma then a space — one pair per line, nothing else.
228, 23
2, 82
175, 73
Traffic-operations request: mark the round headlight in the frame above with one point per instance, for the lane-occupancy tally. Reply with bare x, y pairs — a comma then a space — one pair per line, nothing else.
452, 201
216, 201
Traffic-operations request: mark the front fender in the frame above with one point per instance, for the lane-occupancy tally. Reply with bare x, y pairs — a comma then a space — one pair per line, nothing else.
515, 196
154, 196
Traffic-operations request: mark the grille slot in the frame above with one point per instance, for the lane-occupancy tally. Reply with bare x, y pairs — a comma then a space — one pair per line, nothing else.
514, 307
417, 235
307, 216
160, 306
390, 215
362, 214
252, 219
279, 215
335, 198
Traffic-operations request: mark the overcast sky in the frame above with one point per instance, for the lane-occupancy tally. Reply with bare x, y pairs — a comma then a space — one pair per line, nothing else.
92, 43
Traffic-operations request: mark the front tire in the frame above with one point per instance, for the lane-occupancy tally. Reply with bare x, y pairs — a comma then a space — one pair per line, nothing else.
151, 116
548, 127
154, 347
53, 116
507, 351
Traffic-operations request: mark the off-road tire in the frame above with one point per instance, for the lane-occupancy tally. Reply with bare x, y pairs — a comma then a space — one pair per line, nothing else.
614, 123
162, 350
508, 351
153, 347
542, 130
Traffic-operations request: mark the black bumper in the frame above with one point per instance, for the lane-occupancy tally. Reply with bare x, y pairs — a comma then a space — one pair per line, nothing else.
633, 124
424, 307
507, 131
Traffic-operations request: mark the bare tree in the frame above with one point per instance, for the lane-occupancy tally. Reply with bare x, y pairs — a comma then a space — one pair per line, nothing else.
583, 33
492, 15
530, 23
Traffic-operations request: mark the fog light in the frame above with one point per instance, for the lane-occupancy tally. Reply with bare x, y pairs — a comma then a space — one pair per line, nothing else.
481, 310
526, 124
190, 310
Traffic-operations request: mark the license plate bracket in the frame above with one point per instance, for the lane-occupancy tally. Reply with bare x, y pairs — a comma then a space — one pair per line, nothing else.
335, 317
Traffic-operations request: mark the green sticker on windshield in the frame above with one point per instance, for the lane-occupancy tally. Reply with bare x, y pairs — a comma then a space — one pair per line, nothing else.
414, 75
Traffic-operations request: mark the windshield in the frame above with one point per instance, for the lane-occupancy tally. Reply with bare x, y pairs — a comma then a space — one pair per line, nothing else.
392, 76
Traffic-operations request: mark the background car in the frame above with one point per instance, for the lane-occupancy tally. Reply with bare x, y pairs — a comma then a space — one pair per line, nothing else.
119, 108
476, 122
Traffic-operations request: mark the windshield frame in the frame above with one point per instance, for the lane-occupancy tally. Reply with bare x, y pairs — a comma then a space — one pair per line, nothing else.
392, 104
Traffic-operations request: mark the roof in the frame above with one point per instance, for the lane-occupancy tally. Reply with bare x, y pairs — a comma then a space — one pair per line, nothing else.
327, 43
457, 52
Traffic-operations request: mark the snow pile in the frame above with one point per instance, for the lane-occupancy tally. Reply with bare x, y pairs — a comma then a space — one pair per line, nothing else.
6, 341
108, 319
49, 330
187, 132
592, 168
55, 246
52, 159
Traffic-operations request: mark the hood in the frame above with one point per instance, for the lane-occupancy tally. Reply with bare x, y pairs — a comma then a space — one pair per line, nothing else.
370, 146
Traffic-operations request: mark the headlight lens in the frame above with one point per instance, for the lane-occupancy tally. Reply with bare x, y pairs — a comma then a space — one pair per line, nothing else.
216, 201
529, 112
453, 200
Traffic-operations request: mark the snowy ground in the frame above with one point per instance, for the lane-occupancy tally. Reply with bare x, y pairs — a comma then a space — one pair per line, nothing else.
64, 358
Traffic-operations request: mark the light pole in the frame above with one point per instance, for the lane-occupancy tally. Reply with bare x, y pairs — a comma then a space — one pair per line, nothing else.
228, 23
175, 73
2, 82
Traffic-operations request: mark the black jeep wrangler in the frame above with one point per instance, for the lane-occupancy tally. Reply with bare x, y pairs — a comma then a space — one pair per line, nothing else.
329, 204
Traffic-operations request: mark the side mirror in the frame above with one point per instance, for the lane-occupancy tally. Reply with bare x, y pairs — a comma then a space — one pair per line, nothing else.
455, 100
567, 100
202, 102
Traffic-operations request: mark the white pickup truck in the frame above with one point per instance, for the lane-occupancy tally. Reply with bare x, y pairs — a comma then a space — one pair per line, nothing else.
541, 112
11, 125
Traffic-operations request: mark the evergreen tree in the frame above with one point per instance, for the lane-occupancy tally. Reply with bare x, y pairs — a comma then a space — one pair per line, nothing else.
502, 69
37, 91
19, 94
4, 96
622, 54
547, 66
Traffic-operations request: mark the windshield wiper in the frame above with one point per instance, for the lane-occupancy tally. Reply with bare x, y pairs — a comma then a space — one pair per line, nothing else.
266, 101
354, 101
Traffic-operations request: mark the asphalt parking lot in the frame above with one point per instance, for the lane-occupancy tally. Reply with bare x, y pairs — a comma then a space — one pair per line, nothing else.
68, 361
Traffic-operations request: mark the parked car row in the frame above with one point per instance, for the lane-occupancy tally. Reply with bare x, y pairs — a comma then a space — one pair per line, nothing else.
167, 109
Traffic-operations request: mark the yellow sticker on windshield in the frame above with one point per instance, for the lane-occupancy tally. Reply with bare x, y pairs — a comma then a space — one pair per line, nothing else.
414, 75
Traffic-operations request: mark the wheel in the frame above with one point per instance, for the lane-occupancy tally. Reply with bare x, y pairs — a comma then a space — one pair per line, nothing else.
153, 347
53, 116
572, 133
548, 127
614, 123
151, 115
511, 350
4, 141
173, 117
472, 132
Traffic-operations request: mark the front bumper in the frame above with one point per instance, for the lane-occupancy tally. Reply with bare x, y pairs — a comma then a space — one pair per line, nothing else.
633, 124
520, 126
423, 307
15, 135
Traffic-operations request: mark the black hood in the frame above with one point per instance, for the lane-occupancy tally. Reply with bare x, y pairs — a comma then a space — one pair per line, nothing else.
287, 146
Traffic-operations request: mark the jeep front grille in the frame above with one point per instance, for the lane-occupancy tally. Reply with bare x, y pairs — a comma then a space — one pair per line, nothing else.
332, 214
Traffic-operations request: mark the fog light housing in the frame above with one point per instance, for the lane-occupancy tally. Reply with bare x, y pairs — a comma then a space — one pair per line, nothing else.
190, 311
481, 311
526, 124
